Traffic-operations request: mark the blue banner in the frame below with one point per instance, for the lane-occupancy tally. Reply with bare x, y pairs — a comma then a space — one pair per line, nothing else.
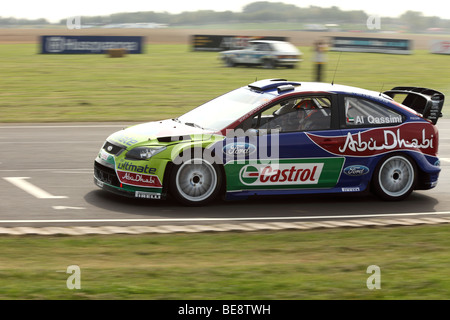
378, 45
90, 44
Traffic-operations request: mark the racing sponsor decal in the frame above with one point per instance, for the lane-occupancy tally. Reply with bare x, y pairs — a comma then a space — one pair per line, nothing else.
105, 155
106, 158
361, 120
147, 195
138, 179
249, 174
420, 137
128, 141
356, 170
352, 189
284, 173
239, 148
281, 174
129, 166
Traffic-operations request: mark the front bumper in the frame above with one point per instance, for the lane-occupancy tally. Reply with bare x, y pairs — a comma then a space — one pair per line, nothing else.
106, 178
287, 62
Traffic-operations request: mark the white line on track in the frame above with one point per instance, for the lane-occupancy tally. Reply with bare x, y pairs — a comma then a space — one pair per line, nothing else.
64, 126
231, 219
26, 186
67, 208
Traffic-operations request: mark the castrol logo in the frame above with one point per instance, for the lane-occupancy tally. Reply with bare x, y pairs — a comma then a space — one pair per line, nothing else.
281, 174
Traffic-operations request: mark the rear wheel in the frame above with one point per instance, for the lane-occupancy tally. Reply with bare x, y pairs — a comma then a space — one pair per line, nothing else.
269, 64
195, 182
395, 178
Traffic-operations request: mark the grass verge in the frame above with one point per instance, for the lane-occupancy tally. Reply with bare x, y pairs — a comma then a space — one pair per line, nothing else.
317, 264
168, 80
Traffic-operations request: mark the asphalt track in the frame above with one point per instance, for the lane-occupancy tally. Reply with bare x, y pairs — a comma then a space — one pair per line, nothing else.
46, 180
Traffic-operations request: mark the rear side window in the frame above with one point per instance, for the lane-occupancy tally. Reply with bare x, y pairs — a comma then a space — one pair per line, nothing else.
362, 112
264, 47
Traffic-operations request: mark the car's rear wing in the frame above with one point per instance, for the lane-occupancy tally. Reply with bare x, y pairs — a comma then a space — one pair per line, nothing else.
427, 102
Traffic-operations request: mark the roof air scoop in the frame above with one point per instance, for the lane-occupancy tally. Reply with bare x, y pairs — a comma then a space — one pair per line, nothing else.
271, 84
285, 88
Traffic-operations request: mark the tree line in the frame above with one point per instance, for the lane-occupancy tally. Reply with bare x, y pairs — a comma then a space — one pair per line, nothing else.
256, 12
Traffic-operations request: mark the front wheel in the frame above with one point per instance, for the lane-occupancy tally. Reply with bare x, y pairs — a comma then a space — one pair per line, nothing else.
229, 62
195, 182
395, 178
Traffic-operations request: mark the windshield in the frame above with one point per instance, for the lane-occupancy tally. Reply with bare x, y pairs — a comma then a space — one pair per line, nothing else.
285, 47
224, 110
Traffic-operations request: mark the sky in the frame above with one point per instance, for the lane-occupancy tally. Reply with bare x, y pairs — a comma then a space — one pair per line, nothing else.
55, 10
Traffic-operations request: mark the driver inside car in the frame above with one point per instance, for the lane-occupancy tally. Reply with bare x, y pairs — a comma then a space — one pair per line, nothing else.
294, 116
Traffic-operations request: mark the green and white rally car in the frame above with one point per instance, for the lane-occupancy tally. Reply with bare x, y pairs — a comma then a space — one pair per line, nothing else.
276, 137
267, 53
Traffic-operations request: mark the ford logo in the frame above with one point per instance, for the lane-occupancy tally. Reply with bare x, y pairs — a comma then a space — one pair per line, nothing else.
356, 170
239, 148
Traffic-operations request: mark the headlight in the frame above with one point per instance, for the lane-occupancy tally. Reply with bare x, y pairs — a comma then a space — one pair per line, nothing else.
143, 153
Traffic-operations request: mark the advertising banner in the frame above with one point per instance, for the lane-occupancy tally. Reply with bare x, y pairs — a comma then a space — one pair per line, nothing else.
378, 45
225, 42
440, 46
90, 44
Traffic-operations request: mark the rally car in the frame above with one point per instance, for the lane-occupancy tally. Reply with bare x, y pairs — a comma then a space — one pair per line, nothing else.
267, 53
278, 137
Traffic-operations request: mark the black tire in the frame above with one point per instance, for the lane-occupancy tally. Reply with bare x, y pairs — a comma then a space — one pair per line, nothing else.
195, 182
229, 62
269, 64
394, 178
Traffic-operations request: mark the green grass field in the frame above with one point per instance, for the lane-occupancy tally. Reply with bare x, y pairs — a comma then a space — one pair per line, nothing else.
169, 80
318, 264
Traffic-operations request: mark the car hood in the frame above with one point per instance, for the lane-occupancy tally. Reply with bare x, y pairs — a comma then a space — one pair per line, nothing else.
157, 132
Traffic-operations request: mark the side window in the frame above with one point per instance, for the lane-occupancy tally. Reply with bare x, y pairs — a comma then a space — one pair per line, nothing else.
361, 112
297, 114
267, 47
254, 46
263, 47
